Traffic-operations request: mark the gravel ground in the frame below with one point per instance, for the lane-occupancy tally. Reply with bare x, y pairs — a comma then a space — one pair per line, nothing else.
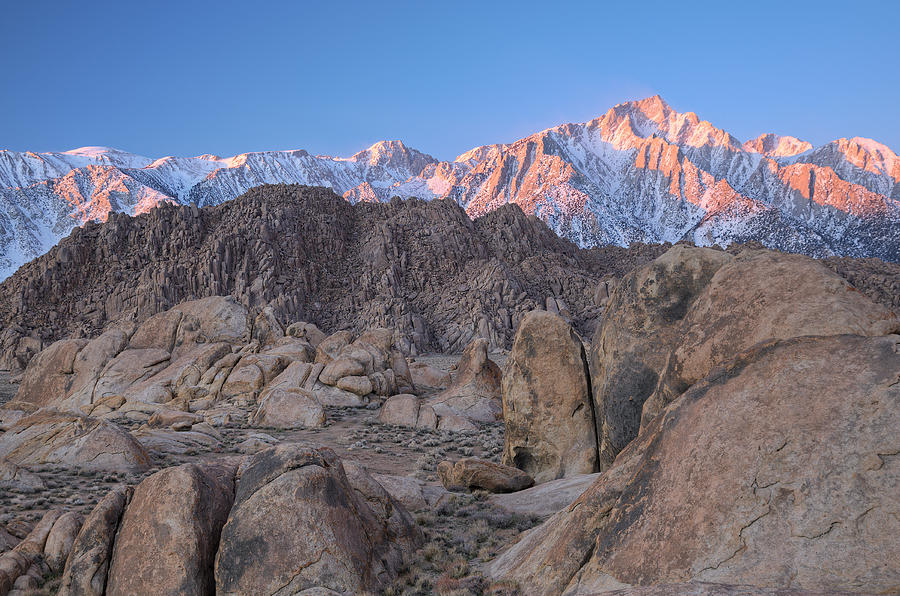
462, 532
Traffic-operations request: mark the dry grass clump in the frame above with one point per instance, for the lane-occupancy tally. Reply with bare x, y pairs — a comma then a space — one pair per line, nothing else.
462, 533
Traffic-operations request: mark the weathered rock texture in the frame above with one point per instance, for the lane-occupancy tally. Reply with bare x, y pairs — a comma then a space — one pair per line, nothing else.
761, 295
51, 437
546, 498
289, 409
547, 404
299, 523
169, 535
60, 540
88, 563
474, 394
633, 340
775, 470
471, 473
672, 321
423, 268
16, 562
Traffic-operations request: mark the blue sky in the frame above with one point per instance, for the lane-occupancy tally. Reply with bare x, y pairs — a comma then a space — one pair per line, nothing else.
186, 78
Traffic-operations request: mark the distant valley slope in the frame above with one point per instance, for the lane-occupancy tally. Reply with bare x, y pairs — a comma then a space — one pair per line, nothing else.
641, 172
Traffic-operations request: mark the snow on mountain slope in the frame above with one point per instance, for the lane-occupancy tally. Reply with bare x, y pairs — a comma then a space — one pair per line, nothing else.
640, 172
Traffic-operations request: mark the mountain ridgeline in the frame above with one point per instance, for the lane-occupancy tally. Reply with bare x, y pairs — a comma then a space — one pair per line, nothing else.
422, 267
642, 172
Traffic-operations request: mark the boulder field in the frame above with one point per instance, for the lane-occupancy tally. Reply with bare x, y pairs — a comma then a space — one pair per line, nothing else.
730, 427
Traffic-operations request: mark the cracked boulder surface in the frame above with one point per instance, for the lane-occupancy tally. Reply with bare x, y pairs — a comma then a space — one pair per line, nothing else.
298, 523
53, 437
779, 469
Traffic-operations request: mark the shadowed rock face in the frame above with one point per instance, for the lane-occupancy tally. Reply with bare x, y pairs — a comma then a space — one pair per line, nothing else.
424, 268
771, 471
633, 340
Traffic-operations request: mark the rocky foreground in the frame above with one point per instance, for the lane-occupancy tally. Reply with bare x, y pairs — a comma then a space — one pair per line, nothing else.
729, 428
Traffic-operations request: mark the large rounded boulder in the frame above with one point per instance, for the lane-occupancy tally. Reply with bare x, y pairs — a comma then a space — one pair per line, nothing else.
775, 470
758, 296
169, 534
547, 405
52, 437
298, 523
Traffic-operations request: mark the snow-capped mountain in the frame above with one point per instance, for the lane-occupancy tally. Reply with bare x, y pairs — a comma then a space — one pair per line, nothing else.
641, 172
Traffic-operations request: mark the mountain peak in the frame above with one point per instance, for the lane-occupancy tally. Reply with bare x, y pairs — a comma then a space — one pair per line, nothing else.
773, 145
873, 146
392, 152
654, 103
652, 108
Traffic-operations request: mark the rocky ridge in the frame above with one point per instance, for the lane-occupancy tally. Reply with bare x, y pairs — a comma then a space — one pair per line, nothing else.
641, 172
422, 268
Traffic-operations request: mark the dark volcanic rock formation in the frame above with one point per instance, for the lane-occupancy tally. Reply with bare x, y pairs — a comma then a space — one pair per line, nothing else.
423, 268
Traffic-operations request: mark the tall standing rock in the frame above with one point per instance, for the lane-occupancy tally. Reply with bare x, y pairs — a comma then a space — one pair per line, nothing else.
88, 562
641, 325
169, 534
60, 540
547, 407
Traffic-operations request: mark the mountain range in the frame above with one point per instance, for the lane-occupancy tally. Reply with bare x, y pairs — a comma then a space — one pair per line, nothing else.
642, 172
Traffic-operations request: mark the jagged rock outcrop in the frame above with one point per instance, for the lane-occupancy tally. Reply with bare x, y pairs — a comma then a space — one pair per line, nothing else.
774, 470
640, 172
474, 394
422, 268
547, 404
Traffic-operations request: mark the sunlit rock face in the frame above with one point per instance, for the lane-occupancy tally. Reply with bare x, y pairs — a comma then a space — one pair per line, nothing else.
640, 172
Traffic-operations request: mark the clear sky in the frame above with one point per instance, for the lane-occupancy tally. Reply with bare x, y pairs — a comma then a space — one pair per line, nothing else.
185, 78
